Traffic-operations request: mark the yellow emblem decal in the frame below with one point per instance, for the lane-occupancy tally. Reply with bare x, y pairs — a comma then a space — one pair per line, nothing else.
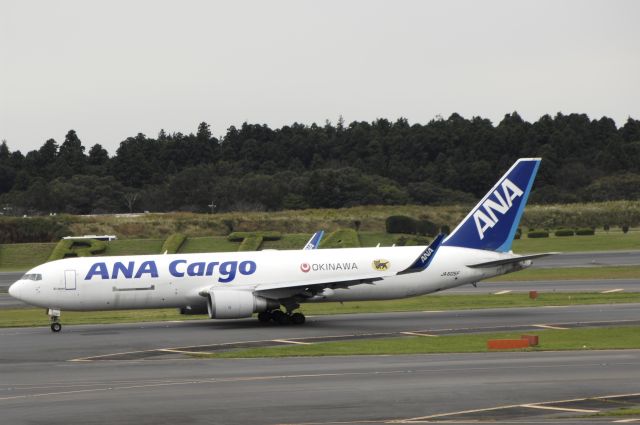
380, 265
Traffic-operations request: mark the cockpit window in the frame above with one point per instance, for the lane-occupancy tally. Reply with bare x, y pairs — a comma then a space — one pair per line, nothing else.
32, 276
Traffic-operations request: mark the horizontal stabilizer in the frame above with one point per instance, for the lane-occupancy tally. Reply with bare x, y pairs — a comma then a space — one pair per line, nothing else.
510, 260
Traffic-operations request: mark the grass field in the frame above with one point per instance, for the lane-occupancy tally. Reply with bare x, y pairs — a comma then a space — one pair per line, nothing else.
134, 247
36, 317
22, 256
17, 257
571, 339
208, 244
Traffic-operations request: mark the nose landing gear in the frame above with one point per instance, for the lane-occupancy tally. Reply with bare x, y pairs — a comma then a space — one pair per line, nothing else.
54, 317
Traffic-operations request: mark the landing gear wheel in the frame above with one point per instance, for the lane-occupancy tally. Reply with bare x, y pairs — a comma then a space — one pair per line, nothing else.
298, 318
264, 317
275, 315
56, 327
282, 319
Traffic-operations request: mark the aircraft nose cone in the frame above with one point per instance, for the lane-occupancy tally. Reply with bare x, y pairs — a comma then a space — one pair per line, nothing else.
15, 289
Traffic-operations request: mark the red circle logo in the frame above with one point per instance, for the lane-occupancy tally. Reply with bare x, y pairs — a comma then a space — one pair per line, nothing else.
305, 267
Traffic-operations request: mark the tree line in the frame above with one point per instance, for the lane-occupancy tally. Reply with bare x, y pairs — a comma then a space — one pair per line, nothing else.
255, 167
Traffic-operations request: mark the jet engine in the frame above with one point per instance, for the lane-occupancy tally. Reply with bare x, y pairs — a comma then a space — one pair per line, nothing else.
233, 304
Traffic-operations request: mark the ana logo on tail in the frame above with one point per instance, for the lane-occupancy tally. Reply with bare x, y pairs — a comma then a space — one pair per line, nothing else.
485, 216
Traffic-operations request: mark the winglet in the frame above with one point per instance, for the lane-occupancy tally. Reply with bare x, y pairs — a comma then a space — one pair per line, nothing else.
314, 242
423, 261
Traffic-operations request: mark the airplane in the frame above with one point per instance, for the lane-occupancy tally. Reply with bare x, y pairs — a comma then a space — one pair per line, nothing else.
233, 285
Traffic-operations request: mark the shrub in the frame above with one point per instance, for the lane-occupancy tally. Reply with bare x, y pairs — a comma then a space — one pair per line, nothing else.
77, 248
564, 232
173, 243
606, 227
401, 224
229, 224
585, 232
343, 238
251, 243
32, 229
625, 228
518, 234
445, 229
426, 228
267, 236
538, 234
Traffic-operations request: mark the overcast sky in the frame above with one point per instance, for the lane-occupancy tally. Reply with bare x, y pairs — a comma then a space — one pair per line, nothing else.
111, 69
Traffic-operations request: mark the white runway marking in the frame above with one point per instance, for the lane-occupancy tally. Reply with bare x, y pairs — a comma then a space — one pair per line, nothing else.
171, 350
549, 327
611, 291
417, 334
286, 341
563, 409
506, 291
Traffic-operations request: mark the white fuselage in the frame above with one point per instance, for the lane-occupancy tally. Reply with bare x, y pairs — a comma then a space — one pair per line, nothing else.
156, 281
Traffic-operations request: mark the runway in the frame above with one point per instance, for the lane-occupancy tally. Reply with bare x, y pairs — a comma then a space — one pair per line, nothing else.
367, 389
39, 384
596, 285
589, 259
24, 345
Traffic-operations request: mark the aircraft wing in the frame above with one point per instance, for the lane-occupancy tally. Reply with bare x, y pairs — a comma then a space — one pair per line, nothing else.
317, 285
510, 260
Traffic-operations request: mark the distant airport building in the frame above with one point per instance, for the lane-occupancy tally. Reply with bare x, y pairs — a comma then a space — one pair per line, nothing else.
98, 237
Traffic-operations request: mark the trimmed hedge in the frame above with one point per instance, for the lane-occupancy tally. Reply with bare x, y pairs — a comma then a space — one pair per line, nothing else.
410, 226
426, 228
564, 232
67, 248
538, 234
173, 243
401, 224
412, 241
267, 236
585, 232
343, 238
251, 243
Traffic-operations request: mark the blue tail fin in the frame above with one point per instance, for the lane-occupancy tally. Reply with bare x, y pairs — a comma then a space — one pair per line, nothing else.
492, 224
314, 242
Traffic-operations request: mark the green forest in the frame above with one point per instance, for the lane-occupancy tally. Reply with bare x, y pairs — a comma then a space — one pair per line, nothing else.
257, 168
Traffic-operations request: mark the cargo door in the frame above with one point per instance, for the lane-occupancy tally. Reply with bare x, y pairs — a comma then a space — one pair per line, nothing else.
70, 279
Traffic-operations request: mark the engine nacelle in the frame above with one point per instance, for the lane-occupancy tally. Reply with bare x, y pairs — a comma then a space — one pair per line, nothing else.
233, 304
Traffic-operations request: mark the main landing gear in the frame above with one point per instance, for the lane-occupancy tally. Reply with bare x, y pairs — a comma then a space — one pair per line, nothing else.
281, 318
54, 317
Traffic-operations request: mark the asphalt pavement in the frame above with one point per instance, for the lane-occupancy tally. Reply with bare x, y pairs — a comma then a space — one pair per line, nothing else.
589, 259
39, 385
